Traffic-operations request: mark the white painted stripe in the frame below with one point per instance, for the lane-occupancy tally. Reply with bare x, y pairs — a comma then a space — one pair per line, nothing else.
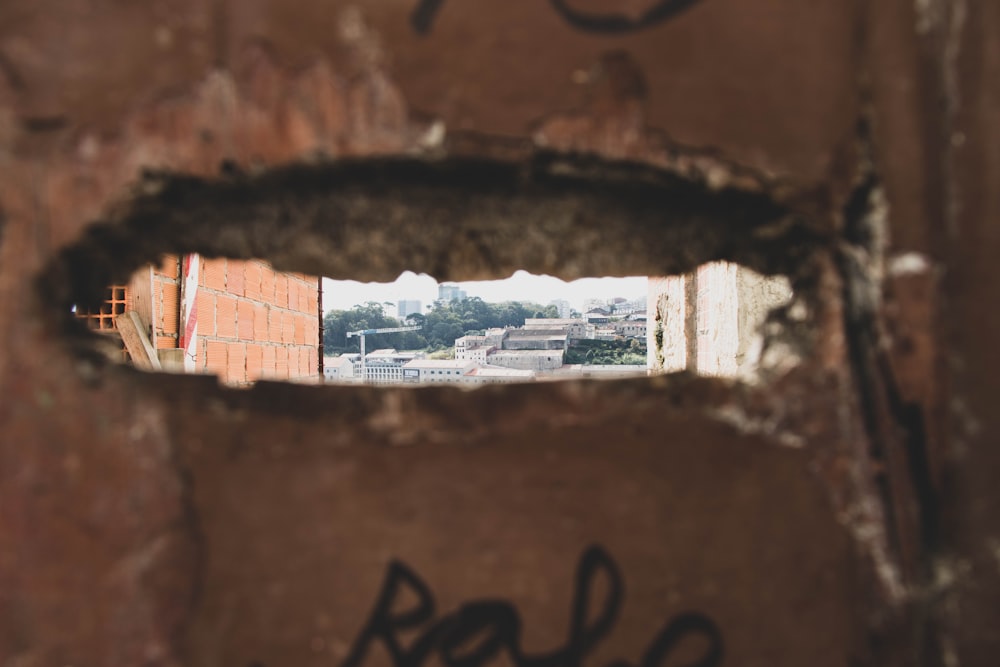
189, 312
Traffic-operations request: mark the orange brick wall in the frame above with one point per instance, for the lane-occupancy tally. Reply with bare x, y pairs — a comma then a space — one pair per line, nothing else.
254, 322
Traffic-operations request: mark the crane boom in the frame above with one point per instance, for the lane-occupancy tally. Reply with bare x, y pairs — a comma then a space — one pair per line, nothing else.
367, 332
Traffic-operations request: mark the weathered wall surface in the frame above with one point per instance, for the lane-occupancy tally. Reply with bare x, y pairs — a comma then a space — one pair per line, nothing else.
667, 308
757, 296
709, 321
845, 512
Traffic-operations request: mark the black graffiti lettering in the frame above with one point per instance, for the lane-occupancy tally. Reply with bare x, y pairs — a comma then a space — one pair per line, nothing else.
614, 24
477, 632
384, 625
422, 18
680, 628
499, 618
582, 638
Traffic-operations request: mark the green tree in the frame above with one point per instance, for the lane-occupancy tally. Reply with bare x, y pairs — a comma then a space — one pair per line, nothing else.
607, 352
337, 323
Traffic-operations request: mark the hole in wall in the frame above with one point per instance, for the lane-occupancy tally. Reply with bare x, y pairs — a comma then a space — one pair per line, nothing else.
257, 244
243, 321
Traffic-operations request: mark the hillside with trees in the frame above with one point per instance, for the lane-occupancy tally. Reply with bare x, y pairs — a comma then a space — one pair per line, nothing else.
606, 352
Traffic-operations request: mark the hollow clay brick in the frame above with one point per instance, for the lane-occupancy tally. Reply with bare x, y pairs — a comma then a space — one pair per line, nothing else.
244, 319
213, 274
207, 308
217, 359
225, 316
235, 277
254, 362
236, 366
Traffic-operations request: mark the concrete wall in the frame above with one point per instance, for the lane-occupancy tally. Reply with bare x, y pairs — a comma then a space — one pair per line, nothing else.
666, 346
709, 321
527, 360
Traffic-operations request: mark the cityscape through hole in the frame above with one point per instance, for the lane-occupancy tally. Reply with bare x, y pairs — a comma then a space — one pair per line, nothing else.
245, 322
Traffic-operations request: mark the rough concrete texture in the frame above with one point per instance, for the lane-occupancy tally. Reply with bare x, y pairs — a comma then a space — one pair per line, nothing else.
843, 512
721, 331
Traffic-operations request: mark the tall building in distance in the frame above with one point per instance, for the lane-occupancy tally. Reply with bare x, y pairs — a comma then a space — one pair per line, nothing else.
562, 305
450, 292
409, 307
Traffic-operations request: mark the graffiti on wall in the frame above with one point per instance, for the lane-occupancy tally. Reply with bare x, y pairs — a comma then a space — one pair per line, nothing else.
422, 18
478, 631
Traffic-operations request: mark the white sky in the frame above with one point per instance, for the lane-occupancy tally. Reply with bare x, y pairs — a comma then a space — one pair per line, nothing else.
522, 286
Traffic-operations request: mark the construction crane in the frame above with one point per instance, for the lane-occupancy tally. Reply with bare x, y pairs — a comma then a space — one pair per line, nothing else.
367, 332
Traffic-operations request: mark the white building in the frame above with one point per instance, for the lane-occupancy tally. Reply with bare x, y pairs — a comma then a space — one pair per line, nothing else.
599, 371
539, 339
527, 360
605, 333
341, 368
453, 371
497, 375
468, 343
477, 354
436, 371
576, 329
477, 348
386, 366
630, 328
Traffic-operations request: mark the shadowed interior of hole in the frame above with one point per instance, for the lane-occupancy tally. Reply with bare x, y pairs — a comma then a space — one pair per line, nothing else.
456, 219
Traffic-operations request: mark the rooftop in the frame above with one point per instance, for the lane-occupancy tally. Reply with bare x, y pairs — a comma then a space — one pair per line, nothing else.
437, 363
551, 321
499, 371
337, 362
530, 353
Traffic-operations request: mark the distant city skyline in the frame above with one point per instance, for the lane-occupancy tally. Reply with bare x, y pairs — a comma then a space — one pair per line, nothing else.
522, 286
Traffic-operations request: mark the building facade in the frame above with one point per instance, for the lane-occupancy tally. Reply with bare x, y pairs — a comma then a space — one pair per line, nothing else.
467, 373
527, 360
450, 292
409, 307
340, 368
436, 371
630, 328
575, 328
385, 366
